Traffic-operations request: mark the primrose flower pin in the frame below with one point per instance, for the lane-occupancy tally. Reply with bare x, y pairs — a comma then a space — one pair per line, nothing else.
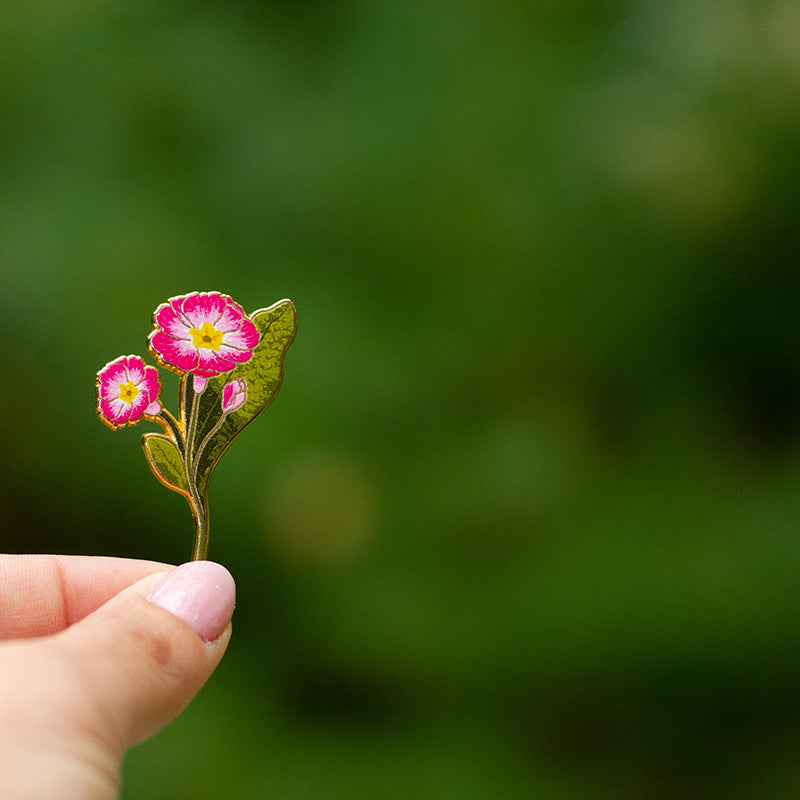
235, 362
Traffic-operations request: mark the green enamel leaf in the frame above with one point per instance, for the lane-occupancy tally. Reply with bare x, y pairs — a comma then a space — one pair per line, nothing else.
263, 374
165, 460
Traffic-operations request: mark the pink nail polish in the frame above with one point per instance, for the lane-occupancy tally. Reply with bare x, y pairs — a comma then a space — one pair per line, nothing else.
201, 593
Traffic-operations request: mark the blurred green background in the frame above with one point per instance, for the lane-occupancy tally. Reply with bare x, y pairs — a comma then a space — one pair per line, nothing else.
524, 519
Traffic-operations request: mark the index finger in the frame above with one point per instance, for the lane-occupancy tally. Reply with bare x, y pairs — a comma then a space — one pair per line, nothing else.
43, 594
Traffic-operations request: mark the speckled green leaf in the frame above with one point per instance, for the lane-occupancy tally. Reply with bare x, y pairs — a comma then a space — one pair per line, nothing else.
165, 460
263, 374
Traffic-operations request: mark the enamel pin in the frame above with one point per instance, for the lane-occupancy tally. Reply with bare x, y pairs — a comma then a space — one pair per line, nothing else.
231, 367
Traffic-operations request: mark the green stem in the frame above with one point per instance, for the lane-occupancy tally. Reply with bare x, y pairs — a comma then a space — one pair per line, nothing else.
171, 428
199, 508
201, 542
200, 551
206, 440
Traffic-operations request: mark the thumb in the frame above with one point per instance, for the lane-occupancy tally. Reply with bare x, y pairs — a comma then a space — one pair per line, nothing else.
120, 674
144, 665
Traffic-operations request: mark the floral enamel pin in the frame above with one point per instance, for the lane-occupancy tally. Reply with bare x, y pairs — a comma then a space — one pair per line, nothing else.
231, 367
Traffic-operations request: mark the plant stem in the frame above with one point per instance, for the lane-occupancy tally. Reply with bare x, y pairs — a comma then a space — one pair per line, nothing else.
172, 428
206, 440
200, 550
199, 507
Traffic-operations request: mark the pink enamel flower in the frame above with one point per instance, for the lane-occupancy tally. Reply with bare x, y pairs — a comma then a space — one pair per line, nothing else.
205, 333
127, 389
233, 395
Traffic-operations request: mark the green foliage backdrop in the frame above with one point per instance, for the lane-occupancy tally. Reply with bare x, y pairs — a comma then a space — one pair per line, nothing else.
524, 519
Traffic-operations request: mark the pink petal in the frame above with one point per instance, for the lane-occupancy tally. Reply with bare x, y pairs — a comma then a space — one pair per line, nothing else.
137, 407
105, 409
234, 355
150, 384
246, 338
180, 305
116, 412
154, 409
165, 314
210, 363
231, 319
175, 352
176, 304
203, 307
169, 322
135, 368
199, 383
110, 378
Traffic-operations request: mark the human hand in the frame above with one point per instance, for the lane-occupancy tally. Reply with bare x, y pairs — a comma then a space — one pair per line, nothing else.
97, 655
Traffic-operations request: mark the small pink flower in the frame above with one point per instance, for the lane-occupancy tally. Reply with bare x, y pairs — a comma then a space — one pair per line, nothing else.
233, 395
127, 390
205, 333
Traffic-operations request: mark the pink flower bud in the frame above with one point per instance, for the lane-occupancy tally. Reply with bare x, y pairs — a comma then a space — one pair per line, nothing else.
233, 395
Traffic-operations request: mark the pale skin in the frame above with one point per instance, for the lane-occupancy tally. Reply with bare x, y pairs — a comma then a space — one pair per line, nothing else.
89, 666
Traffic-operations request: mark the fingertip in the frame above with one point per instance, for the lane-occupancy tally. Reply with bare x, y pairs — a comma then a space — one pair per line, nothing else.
200, 593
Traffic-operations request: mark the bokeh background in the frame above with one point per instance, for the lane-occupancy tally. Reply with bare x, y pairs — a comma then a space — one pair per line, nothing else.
524, 519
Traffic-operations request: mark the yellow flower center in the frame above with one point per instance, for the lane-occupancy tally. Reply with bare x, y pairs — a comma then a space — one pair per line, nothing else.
207, 336
128, 392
